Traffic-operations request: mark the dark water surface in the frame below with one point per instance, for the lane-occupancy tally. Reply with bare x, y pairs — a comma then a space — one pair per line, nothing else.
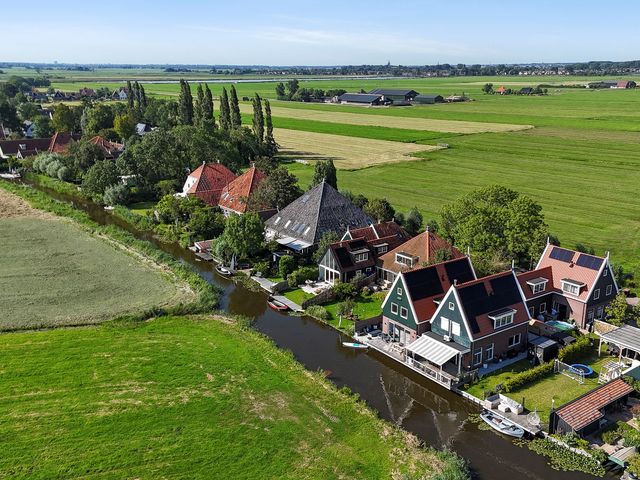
399, 395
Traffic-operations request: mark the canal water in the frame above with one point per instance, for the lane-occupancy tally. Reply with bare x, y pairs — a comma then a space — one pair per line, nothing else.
434, 414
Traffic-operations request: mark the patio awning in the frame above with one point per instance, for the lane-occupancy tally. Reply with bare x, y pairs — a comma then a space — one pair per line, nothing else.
433, 350
623, 337
293, 243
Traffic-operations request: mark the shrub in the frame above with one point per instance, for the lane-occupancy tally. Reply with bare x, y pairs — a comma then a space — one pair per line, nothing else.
561, 458
301, 275
357, 280
52, 168
345, 308
117, 194
610, 436
318, 312
65, 174
576, 351
262, 267
286, 265
344, 290
634, 464
528, 376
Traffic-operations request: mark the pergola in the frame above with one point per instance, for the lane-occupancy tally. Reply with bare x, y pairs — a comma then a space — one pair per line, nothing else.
625, 338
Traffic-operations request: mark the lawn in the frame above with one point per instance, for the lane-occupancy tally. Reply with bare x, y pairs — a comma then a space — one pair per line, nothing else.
184, 397
539, 395
52, 273
141, 208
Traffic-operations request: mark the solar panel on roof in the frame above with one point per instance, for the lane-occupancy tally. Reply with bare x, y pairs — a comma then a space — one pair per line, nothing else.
561, 254
423, 283
459, 270
589, 261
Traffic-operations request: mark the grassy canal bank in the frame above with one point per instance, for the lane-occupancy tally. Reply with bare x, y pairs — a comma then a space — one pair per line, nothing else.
161, 394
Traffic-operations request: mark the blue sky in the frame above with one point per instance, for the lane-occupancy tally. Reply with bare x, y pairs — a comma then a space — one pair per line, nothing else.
285, 32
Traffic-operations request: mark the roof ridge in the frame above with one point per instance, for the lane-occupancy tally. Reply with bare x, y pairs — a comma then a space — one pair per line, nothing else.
483, 279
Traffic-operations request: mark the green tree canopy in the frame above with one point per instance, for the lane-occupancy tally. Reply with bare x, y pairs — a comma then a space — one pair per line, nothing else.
124, 125
100, 176
413, 222
234, 107
325, 170
379, 209
327, 239
278, 190
64, 119
243, 236
498, 223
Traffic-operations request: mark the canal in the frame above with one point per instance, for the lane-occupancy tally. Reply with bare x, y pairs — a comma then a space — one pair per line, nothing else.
434, 414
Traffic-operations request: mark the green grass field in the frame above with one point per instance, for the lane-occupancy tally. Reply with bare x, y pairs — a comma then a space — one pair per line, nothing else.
180, 397
52, 274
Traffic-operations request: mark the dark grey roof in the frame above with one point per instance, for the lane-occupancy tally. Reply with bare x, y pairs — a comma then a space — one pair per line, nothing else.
429, 95
391, 91
322, 209
359, 97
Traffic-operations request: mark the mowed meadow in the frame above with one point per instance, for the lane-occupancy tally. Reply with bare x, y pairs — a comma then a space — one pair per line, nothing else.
576, 151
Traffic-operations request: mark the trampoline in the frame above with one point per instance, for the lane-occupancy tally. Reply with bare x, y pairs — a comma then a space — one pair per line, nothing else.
585, 369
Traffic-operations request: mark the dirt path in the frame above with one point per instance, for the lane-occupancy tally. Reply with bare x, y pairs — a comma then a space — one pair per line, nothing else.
12, 206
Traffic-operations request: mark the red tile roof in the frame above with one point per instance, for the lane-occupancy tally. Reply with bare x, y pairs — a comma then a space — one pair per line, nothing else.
110, 149
423, 246
394, 233
588, 408
61, 141
209, 180
569, 270
235, 196
546, 273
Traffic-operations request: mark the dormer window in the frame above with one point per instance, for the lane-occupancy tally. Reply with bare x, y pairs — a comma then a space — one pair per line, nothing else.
572, 287
404, 259
537, 285
503, 317
277, 220
362, 257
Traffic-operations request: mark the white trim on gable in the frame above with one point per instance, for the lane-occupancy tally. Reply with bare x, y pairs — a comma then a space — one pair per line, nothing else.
473, 270
598, 277
443, 305
413, 310
544, 253
464, 314
522, 295
615, 282
391, 290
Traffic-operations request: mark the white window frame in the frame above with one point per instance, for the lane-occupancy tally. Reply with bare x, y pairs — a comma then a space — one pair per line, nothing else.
394, 308
532, 311
399, 291
452, 306
605, 272
404, 260
512, 343
503, 320
455, 329
444, 324
596, 294
362, 257
488, 349
600, 312
571, 289
404, 312
287, 224
477, 356
609, 289
277, 220
382, 249
538, 287
543, 307
591, 314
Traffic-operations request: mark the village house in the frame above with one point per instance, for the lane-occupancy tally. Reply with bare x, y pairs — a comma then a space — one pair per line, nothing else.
569, 285
415, 295
25, 147
421, 250
617, 84
362, 99
207, 182
301, 224
234, 199
120, 94
61, 141
358, 251
501, 90
110, 150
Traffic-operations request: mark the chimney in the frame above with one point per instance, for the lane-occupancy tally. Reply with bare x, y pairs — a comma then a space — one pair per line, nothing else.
455, 282
513, 264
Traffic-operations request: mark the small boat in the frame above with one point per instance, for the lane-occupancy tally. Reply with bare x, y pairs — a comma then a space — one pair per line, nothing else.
502, 425
108, 207
276, 305
357, 345
224, 271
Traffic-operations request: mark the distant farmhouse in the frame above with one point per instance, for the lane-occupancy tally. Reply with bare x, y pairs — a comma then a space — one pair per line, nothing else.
620, 84
395, 95
362, 99
25, 147
428, 98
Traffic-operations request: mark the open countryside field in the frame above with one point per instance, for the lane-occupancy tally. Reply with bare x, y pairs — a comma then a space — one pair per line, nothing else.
52, 273
185, 397
346, 152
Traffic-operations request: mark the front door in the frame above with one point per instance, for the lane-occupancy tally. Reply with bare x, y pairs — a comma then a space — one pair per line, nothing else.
562, 312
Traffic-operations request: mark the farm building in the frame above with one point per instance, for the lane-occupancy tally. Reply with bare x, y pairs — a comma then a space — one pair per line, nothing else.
586, 414
301, 224
429, 98
362, 99
620, 84
207, 182
395, 95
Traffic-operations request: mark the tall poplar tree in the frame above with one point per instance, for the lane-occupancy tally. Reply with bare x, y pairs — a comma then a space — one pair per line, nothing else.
185, 103
198, 108
258, 119
207, 108
234, 105
225, 120
269, 140
129, 95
